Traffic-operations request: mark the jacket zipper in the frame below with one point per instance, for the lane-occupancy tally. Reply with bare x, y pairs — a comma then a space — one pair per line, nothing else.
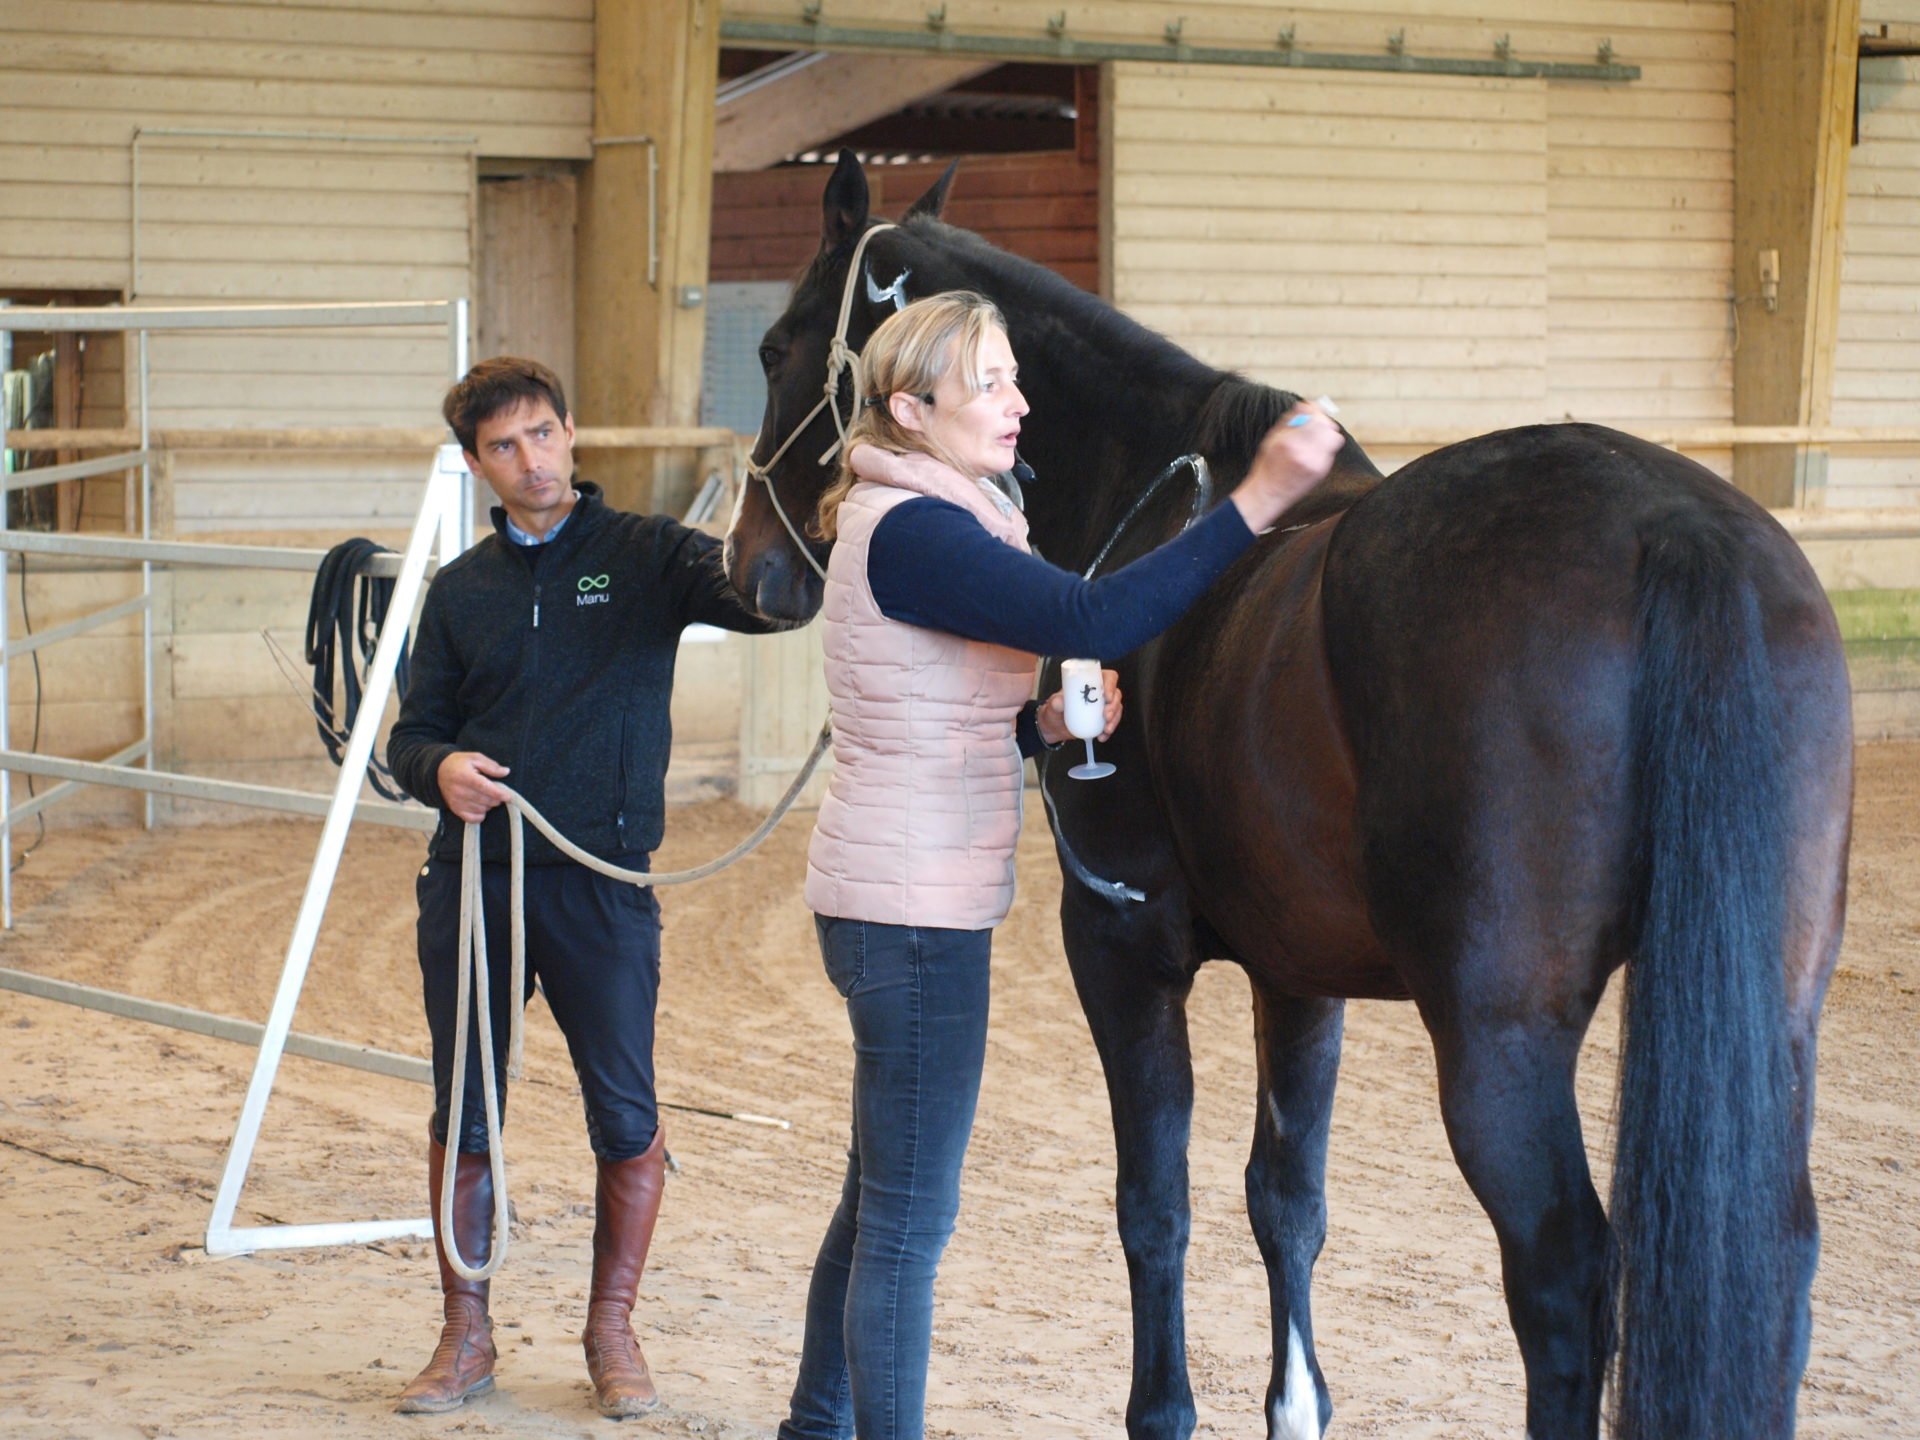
620, 815
533, 669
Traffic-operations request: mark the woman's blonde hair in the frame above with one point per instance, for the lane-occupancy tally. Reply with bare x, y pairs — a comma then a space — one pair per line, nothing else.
910, 353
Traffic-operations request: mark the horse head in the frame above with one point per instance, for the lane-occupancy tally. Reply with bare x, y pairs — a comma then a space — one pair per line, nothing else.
777, 562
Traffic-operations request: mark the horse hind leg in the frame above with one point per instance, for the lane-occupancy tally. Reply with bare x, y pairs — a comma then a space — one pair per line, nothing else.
1814, 950
1817, 903
1506, 1095
1299, 1055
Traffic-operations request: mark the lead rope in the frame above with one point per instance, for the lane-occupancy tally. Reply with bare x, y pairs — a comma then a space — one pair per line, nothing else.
1202, 498
474, 987
841, 358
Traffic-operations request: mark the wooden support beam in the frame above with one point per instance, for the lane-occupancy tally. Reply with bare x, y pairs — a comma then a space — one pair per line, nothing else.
369, 438
1892, 439
638, 347
1794, 77
1104, 122
812, 104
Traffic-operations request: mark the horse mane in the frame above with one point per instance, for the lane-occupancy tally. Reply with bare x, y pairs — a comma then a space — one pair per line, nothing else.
1237, 411
1236, 417
1029, 288
1218, 413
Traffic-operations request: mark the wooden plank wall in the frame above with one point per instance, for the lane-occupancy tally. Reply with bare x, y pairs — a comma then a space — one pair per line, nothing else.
77, 75
241, 221
1875, 587
1640, 223
1378, 238
524, 301
1617, 283
1446, 251
1872, 584
1877, 359
238, 221
766, 223
226, 220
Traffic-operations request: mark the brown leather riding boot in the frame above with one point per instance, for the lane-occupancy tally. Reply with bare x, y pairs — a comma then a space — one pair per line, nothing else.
627, 1202
462, 1363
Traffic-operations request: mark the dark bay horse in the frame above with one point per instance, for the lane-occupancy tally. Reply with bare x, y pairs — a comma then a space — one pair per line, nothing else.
1539, 706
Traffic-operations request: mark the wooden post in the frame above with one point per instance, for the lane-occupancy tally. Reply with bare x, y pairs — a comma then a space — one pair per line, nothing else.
163, 505
1794, 80
638, 349
66, 415
526, 271
1104, 87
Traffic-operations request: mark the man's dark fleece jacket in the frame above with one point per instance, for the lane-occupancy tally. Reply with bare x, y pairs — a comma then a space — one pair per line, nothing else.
556, 660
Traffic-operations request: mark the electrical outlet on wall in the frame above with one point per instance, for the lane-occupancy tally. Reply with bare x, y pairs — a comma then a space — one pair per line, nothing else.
1770, 280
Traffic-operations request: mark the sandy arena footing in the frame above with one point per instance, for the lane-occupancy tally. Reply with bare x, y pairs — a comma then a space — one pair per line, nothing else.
113, 1133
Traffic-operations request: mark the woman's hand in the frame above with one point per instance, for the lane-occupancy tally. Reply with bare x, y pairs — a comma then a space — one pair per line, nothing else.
1294, 457
1051, 719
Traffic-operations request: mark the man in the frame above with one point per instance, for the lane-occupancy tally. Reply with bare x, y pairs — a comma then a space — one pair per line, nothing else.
544, 656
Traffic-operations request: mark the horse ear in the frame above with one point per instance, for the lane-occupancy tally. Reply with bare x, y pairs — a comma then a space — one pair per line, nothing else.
935, 200
844, 206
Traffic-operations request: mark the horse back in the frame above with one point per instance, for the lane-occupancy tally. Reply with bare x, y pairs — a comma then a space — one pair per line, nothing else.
1483, 621
1413, 720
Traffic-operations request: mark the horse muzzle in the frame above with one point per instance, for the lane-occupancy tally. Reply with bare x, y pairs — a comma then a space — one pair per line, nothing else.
780, 585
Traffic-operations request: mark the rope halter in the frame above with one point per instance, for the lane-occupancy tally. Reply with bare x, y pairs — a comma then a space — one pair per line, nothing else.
842, 359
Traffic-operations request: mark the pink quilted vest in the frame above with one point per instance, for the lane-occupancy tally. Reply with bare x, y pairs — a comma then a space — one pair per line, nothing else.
922, 812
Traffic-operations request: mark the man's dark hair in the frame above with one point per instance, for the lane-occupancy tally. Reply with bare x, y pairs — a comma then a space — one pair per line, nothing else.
495, 386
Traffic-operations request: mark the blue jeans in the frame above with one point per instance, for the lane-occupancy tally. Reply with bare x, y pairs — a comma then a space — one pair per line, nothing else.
917, 997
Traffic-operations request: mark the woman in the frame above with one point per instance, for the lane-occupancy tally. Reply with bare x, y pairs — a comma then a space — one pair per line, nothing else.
933, 616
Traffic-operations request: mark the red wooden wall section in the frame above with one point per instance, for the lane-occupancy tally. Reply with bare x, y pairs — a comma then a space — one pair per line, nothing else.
1046, 207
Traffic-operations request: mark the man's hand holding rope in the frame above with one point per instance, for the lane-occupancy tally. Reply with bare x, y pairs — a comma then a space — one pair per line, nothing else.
466, 784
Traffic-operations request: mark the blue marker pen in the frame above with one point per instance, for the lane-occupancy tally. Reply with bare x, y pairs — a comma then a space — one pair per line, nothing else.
1326, 405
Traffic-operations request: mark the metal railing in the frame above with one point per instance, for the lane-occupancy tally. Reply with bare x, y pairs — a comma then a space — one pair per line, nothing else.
442, 527
142, 548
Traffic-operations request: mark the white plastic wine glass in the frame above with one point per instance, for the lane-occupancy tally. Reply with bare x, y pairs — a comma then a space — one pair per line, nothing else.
1083, 693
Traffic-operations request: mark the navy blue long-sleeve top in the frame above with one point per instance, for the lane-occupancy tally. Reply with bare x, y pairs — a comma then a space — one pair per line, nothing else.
931, 564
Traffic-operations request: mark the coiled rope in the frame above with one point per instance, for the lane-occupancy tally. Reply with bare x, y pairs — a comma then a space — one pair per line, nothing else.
474, 990
347, 609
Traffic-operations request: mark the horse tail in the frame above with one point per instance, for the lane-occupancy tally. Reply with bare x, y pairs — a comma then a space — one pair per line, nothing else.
1702, 1164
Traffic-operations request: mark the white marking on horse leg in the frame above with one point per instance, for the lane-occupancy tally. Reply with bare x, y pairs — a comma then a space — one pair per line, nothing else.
1276, 1117
1296, 1413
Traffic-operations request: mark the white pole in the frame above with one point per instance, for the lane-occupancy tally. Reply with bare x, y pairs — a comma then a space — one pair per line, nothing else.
146, 582
6, 631
461, 363
460, 321
133, 200
455, 518
222, 1238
